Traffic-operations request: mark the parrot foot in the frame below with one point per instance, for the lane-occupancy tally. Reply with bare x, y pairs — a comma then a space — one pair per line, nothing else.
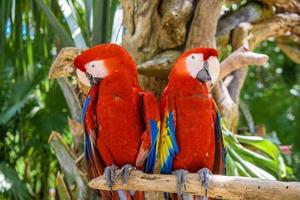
125, 173
110, 175
181, 175
204, 175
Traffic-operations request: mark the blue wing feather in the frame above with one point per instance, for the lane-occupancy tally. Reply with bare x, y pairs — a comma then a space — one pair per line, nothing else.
154, 130
85, 105
168, 145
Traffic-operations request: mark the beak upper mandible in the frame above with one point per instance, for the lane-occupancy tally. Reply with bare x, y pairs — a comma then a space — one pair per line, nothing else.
203, 75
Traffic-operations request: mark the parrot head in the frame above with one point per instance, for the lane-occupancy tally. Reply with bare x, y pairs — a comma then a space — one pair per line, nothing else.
199, 63
101, 61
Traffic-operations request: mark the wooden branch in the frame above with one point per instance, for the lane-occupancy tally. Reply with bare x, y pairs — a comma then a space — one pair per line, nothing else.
241, 57
63, 63
249, 35
61, 187
273, 2
74, 106
66, 160
160, 65
224, 187
247, 116
250, 12
292, 6
203, 28
275, 26
228, 108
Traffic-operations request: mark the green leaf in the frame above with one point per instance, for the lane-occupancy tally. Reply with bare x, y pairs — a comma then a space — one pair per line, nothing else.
70, 15
253, 170
10, 183
260, 143
20, 95
231, 167
241, 170
57, 26
268, 148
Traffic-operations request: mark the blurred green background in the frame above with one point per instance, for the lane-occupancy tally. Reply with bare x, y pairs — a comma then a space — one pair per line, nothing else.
32, 106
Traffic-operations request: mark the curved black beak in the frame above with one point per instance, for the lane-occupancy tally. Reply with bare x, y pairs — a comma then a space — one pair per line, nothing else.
93, 80
203, 75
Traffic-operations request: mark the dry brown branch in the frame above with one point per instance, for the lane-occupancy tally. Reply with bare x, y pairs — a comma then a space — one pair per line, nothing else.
250, 12
62, 188
76, 128
249, 35
228, 108
63, 63
67, 162
252, 35
278, 25
160, 65
285, 5
242, 57
273, 2
225, 187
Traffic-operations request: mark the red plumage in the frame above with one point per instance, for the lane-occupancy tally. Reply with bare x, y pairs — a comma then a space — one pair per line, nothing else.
194, 124
196, 128
118, 112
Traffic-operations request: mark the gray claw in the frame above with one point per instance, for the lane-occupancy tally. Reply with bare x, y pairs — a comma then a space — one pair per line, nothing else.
204, 175
110, 175
181, 176
125, 173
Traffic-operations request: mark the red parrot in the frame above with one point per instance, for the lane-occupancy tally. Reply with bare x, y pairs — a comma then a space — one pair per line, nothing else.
191, 137
121, 120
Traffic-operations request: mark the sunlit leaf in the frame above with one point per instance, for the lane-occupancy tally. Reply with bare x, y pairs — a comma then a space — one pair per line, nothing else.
11, 184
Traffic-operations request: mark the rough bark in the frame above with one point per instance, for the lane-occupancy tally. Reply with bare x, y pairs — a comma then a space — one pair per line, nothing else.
203, 29
224, 187
175, 16
142, 23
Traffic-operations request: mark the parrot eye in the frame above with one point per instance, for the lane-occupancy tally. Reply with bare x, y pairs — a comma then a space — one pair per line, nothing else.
193, 57
93, 66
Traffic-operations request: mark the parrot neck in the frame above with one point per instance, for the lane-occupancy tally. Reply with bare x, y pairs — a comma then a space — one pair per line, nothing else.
117, 83
183, 86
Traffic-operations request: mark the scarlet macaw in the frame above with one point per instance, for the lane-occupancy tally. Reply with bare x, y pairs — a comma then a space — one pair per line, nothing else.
121, 120
191, 137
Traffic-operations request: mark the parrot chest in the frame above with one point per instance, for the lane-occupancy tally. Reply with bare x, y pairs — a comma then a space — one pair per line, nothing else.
120, 126
194, 132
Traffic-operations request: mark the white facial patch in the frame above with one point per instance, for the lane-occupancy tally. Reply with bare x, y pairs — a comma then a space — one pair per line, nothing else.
213, 68
194, 63
96, 68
